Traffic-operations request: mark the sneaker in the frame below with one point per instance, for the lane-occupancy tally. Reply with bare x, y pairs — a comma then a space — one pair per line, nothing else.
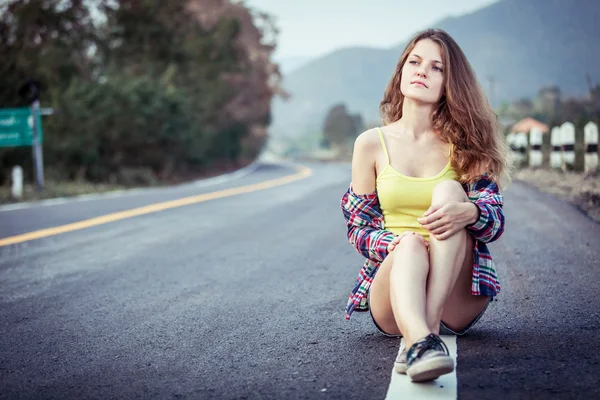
400, 362
428, 359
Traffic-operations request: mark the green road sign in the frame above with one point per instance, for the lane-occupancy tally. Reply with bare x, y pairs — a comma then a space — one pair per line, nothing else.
16, 127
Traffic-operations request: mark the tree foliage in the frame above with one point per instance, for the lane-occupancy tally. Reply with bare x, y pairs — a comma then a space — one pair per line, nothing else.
174, 87
552, 108
340, 128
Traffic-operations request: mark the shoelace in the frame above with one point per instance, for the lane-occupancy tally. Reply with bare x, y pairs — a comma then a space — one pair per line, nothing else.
440, 342
429, 342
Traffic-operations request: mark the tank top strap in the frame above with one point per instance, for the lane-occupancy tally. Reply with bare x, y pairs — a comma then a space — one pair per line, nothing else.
387, 157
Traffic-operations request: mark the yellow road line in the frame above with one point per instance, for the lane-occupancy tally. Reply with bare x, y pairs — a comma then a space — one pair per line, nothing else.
302, 173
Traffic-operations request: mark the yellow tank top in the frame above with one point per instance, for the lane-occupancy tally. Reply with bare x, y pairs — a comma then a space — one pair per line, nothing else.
404, 198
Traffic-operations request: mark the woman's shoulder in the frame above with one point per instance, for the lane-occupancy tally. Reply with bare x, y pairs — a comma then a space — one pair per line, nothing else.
367, 140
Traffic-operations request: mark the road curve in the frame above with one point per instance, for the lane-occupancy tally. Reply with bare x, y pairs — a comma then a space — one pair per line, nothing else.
242, 297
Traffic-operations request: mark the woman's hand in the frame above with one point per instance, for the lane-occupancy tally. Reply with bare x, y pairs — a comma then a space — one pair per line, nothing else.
444, 220
392, 246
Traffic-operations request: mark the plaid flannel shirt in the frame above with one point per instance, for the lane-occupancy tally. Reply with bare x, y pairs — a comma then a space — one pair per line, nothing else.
365, 223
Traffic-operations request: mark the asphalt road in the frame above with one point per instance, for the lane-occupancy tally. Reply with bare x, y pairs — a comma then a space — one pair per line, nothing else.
243, 298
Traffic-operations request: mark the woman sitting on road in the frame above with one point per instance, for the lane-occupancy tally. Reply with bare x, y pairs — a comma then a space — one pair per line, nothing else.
423, 203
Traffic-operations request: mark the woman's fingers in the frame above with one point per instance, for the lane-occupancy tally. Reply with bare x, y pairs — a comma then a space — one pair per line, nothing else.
446, 234
441, 229
396, 240
434, 225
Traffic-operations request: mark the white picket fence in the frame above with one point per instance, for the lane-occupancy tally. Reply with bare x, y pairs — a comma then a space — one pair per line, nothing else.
526, 147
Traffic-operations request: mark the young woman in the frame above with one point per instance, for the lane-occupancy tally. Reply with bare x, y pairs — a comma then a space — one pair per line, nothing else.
424, 202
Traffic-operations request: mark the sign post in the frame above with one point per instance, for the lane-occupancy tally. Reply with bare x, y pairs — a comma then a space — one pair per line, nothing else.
23, 127
38, 160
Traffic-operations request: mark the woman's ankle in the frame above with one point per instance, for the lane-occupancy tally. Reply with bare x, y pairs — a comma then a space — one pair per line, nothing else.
435, 328
412, 335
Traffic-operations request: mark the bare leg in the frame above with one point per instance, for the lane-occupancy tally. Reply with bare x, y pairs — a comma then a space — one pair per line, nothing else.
408, 280
449, 259
448, 274
462, 307
398, 298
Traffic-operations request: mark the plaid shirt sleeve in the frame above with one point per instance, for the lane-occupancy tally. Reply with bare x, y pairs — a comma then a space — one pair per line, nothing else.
364, 221
484, 194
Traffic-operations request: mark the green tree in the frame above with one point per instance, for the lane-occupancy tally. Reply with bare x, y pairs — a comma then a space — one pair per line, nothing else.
45, 40
340, 128
173, 87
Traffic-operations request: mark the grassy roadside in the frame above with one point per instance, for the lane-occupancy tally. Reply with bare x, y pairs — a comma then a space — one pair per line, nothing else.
575, 187
54, 189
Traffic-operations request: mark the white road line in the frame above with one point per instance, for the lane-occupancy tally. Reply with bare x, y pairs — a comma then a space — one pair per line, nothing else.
445, 387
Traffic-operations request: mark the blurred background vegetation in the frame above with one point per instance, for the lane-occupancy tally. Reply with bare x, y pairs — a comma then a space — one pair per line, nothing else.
153, 91
143, 92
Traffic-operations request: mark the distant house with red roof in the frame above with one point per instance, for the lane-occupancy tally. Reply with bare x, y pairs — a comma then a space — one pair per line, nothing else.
526, 124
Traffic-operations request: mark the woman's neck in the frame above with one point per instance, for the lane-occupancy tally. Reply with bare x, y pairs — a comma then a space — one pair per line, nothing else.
416, 118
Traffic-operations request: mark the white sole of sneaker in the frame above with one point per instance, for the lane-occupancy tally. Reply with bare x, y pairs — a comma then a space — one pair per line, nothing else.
400, 368
431, 369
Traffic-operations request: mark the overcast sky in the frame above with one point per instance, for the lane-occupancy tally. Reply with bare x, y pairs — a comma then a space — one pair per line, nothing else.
311, 28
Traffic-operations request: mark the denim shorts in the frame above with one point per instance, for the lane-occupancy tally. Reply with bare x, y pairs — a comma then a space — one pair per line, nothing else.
444, 330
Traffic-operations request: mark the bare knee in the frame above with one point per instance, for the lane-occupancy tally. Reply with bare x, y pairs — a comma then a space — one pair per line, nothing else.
414, 243
410, 246
449, 190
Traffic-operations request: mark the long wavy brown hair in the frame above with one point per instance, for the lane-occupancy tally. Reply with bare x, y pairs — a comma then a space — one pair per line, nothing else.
463, 115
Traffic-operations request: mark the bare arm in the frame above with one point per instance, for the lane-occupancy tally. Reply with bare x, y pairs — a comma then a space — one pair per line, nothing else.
364, 224
363, 164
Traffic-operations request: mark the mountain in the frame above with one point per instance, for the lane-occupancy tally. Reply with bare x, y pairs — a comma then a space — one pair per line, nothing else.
290, 64
523, 45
